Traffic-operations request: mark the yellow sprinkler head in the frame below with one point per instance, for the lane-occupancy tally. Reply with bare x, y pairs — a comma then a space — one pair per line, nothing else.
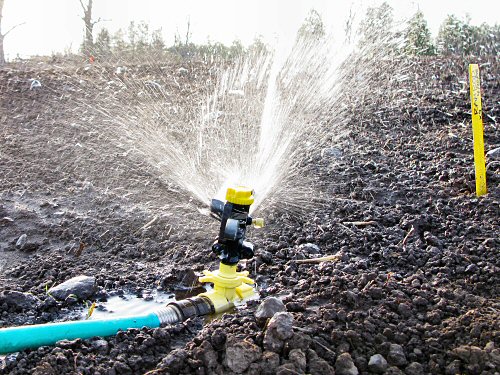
240, 195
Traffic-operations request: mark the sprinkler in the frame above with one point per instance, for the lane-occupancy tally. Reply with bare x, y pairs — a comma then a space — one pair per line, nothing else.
230, 286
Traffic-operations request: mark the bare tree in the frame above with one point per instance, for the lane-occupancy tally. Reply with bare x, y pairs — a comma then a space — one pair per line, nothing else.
2, 36
88, 42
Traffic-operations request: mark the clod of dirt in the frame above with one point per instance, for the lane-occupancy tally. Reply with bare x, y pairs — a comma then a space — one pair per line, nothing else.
298, 358
414, 368
310, 248
268, 307
396, 355
240, 354
393, 370
19, 300
80, 287
278, 330
206, 354
377, 363
477, 360
174, 361
317, 365
344, 365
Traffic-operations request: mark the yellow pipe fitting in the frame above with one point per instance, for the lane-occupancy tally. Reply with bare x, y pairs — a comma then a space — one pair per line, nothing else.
229, 286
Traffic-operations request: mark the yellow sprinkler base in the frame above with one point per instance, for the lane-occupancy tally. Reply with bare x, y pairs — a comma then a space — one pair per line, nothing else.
229, 286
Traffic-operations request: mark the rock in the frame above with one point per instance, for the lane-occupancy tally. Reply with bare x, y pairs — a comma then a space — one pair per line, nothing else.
278, 330
82, 287
396, 356
190, 279
344, 365
414, 368
298, 358
332, 152
21, 241
19, 300
494, 153
471, 268
377, 363
69, 344
268, 307
6, 220
310, 248
183, 71
240, 354
100, 345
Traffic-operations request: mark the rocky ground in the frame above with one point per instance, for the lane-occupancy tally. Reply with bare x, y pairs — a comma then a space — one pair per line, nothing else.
413, 288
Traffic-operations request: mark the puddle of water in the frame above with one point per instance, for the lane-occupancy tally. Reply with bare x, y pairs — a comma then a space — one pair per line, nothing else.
129, 304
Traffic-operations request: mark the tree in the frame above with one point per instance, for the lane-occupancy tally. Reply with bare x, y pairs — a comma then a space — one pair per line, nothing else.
453, 36
142, 34
2, 36
459, 37
257, 47
418, 37
236, 49
132, 35
103, 43
489, 39
157, 42
88, 42
312, 28
376, 27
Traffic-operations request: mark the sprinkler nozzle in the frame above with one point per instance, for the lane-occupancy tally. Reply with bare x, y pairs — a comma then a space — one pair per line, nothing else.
258, 222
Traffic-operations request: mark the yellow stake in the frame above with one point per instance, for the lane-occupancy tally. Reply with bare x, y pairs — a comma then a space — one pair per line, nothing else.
477, 129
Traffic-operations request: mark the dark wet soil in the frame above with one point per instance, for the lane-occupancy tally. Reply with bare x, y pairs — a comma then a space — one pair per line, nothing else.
416, 279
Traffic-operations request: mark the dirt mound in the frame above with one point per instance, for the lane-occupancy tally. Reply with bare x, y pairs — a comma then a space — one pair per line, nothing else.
413, 289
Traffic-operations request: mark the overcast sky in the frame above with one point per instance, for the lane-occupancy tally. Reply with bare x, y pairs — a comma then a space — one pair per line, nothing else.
55, 25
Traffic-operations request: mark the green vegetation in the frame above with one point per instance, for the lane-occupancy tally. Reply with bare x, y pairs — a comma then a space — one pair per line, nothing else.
138, 42
418, 40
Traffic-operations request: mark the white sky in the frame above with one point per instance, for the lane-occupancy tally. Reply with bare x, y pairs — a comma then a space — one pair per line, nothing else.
55, 25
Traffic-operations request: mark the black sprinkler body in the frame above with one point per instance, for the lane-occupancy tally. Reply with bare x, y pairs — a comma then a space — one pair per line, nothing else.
231, 245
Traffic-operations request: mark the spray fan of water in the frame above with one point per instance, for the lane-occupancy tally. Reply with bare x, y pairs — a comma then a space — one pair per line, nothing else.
260, 124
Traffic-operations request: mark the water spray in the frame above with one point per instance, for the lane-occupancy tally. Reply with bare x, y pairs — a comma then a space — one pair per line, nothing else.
230, 286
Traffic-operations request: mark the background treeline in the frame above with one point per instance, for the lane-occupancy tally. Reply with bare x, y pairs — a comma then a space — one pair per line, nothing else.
455, 37
138, 42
